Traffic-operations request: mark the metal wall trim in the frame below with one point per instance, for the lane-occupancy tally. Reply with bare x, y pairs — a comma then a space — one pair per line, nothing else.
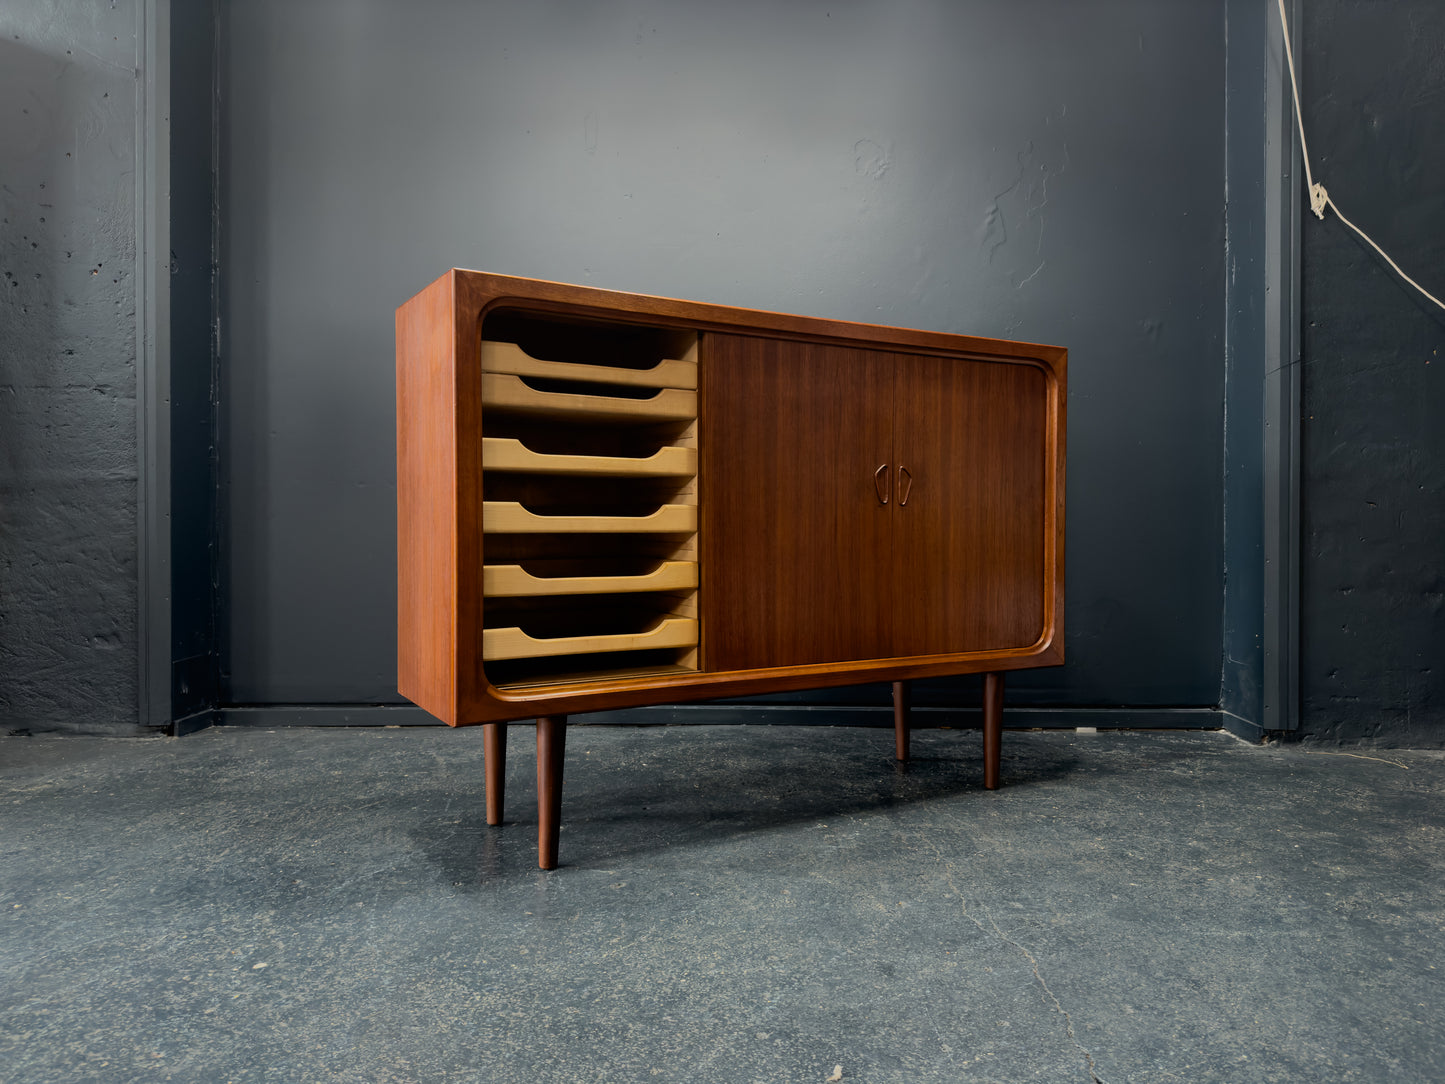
153, 360
1283, 219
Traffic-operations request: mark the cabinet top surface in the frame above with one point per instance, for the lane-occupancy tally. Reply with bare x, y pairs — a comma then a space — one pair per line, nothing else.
477, 292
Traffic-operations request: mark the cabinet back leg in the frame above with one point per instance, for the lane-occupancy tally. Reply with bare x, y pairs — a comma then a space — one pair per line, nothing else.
992, 728
494, 750
902, 702
551, 743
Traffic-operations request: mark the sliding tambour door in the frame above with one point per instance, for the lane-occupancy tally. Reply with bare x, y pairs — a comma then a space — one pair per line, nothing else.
969, 460
795, 528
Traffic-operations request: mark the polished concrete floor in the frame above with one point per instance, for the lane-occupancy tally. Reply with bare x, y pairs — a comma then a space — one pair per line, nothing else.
735, 904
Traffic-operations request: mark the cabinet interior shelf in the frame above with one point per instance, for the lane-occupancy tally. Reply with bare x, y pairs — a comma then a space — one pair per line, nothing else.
513, 517
514, 643
499, 357
505, 391
510, 454
514, 581
592, 675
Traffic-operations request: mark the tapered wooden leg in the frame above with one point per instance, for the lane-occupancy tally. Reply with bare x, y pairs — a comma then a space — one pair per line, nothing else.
551, 742
992, 728
902, 701
494, 749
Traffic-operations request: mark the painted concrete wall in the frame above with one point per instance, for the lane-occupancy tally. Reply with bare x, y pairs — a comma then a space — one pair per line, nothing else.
1373, 518
195, 453
68, 647
1045, 170
1245, 297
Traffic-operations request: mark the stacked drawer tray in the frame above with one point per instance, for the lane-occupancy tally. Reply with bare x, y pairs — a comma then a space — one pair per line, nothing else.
589, 510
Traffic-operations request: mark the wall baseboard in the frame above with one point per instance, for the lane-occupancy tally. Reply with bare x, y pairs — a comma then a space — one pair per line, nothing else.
82, 729
189, 724
1019, 718
1243, 728
278, 715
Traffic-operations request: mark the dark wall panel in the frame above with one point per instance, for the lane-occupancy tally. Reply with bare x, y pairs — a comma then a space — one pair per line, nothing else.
68, 543
1051, 171
1373, 612
1245, 296
194, 454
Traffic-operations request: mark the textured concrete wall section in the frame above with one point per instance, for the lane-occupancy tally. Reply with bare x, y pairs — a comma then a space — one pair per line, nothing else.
67, 365
1373, 522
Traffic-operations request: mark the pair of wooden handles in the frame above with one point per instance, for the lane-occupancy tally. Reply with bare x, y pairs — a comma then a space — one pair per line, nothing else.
905, 484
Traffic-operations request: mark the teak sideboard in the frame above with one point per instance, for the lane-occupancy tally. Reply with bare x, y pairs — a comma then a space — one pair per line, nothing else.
608, 500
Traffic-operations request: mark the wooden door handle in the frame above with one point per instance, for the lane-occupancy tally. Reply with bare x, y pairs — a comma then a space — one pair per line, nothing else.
880, 483
905, 484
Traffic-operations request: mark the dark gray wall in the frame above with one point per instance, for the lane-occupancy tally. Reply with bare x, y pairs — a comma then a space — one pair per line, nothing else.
1373, 611
68, 542
1051, 171
194, 452
1245, 297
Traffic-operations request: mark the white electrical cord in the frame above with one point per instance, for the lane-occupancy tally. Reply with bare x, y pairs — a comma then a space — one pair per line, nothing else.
1319, 198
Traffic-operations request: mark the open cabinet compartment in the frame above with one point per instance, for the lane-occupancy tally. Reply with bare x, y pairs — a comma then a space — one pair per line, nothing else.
589, 500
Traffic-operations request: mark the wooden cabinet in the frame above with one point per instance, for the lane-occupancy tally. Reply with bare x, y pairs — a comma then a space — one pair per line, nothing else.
607, 500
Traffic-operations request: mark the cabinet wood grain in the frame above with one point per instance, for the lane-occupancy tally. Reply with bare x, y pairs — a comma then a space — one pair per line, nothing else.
968, 553
795, 537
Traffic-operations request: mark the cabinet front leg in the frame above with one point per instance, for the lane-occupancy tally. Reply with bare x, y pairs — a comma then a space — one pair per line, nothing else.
551, 742
902, 702
992, 728
494, 750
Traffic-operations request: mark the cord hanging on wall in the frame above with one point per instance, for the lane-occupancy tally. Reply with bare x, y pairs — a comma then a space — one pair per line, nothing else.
1319, 197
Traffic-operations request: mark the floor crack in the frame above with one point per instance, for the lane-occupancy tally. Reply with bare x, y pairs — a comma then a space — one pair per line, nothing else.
1043, 985
947, 868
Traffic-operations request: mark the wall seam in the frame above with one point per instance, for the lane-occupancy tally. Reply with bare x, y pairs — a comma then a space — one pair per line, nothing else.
152, 364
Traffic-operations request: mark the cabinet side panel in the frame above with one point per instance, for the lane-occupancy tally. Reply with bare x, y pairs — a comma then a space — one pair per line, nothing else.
970, 548
426, 521
795, 535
